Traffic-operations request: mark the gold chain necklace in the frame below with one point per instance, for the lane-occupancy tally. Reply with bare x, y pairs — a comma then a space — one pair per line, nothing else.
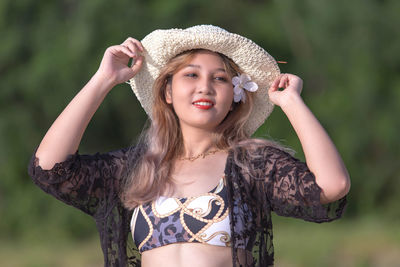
203, 155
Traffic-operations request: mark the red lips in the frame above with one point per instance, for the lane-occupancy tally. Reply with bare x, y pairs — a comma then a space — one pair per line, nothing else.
203, 104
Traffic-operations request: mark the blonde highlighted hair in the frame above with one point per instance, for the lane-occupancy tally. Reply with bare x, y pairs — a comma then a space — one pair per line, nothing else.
150, 176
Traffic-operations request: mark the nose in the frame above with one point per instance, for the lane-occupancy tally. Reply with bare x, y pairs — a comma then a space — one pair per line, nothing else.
205, 86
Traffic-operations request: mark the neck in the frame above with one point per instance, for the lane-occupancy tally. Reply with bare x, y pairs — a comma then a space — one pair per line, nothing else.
196, 141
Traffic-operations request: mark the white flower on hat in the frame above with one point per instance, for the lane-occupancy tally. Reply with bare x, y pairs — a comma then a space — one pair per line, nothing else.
240, 82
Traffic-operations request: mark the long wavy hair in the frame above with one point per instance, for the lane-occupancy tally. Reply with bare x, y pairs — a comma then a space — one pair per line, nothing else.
162, 142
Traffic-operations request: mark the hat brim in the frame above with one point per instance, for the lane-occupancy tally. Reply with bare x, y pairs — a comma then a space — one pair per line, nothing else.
162, 45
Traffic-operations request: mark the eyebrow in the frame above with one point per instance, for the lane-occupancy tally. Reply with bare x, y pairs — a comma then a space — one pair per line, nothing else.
199, 67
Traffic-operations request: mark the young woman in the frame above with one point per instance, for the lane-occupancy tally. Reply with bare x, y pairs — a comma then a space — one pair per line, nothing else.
196, 190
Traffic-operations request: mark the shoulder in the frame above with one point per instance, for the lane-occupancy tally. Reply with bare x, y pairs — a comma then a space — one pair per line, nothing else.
255, 157
252, 159
123, 154
113, 163
260, 149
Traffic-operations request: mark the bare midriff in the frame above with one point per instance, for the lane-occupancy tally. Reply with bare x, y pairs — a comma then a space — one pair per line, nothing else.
188, 254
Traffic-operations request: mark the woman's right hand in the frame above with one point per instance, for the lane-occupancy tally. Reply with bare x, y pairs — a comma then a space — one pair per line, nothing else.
65, 134
114, 65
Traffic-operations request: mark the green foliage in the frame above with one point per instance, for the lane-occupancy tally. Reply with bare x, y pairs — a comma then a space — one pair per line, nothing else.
346, 52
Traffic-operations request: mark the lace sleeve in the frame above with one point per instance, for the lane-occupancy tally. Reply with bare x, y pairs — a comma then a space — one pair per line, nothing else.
293, 192
81, 181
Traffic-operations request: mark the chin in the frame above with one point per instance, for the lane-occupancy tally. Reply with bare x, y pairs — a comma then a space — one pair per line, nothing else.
203, 125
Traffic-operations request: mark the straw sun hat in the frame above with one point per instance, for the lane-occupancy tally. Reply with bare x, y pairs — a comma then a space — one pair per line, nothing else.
162, 45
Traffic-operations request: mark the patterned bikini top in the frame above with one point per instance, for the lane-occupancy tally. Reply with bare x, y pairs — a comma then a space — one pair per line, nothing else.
168, 220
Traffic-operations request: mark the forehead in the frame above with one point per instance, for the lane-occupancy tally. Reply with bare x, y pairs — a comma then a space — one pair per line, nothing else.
207, 54
206, 59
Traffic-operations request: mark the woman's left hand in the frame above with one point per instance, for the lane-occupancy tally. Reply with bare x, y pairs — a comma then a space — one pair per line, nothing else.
322, 157
291, 85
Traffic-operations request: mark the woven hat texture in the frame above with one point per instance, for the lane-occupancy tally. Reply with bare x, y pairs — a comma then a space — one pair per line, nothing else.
162, 45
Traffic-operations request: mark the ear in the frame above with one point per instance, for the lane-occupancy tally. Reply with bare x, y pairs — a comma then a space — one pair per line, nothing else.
168, 93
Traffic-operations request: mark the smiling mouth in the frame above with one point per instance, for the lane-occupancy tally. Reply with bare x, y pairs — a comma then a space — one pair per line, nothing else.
203, 104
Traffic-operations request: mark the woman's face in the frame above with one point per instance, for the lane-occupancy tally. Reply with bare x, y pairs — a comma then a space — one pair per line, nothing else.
201, 92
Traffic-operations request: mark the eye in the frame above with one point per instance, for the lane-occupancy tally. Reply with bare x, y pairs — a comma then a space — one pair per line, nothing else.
221, 78
192, 75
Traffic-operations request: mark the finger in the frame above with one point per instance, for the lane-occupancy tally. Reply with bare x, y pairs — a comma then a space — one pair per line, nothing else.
272, 90
132, 47
125, 50
283, 82
138, 64
274, 85
136, 42
117, 50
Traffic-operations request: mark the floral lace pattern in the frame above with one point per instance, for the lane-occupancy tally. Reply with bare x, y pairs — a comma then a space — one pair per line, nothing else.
270, 181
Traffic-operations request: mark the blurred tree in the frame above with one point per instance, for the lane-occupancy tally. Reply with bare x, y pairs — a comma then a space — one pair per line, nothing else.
346, 52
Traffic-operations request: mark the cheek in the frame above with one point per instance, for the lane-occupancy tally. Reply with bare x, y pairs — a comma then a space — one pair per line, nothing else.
228, 96
174, 93
178, 97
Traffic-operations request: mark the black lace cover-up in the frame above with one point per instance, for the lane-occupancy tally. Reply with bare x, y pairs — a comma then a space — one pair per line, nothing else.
274, 181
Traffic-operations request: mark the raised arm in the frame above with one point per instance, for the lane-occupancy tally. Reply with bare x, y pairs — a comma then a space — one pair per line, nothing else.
64, 136
321, 154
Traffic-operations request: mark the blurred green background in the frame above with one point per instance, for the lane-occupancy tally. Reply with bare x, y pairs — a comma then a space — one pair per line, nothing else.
347, 53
